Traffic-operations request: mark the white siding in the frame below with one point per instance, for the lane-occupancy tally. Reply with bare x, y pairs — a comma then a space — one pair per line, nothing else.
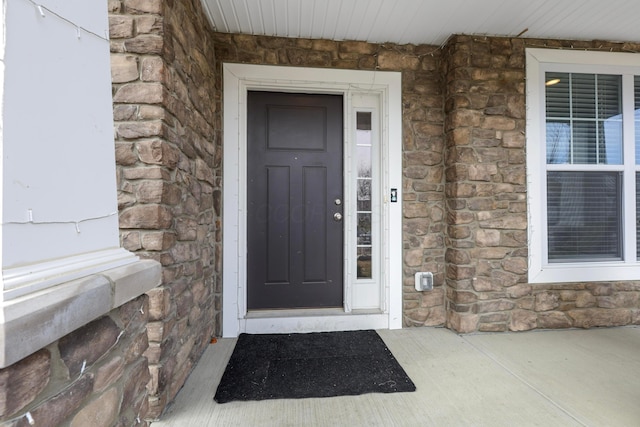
58, 161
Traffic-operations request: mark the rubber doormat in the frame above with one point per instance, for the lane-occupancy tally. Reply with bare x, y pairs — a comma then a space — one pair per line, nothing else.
322, 364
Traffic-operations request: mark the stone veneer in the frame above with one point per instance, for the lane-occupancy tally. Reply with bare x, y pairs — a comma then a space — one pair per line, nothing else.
487, 254
169, 172
486, 257
96, 375
423, 153
465, 205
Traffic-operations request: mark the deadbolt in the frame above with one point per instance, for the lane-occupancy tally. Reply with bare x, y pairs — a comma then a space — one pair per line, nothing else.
338, 202
337, 216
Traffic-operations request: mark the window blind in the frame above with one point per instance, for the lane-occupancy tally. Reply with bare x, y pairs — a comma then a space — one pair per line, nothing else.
584, 216
584, 118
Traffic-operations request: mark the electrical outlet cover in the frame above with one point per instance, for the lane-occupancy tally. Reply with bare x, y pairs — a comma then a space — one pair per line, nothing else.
423, 281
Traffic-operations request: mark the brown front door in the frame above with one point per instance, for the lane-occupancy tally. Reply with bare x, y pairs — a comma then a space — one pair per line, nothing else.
294, 200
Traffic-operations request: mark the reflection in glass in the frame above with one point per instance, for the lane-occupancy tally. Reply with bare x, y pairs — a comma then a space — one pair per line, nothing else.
584, 118
637, 212
364, 161
637, 127
364, 229
584, 216
636, 81
364, 263
610, 140
557, 95
364, 189
364, 205
558, 141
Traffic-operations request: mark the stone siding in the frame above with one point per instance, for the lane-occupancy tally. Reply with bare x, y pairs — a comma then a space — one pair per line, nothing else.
465, 195
96, 375
423, 153
485, 182
169, 173
487, 253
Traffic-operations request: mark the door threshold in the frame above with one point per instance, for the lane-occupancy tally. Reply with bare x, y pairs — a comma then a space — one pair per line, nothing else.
312, 320
307, 312
302, 312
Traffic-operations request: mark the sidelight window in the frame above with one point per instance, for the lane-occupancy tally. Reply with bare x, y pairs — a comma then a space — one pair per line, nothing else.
364, 160
364, 179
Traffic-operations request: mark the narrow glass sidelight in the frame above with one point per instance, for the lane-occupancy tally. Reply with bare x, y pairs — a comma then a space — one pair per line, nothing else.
364, 158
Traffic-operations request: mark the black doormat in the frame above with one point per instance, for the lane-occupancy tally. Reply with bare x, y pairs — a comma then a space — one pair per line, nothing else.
322, 364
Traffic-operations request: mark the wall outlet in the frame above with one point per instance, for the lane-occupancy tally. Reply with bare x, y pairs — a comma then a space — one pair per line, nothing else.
424, 281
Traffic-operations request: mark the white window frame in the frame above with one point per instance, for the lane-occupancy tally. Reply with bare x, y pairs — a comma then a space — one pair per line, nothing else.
238, 80
539, 61
366, 293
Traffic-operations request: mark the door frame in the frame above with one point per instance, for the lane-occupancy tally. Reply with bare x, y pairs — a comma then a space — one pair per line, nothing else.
238, 80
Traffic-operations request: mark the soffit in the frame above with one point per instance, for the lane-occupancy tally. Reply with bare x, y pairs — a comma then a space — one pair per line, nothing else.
427, 21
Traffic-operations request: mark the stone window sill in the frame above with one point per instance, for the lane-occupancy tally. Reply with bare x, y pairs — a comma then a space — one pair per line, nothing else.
33, 321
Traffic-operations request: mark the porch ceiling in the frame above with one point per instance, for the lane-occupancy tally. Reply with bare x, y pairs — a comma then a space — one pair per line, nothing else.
427, 21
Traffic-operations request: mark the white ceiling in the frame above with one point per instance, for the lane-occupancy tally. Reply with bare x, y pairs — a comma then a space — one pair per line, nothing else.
428, 21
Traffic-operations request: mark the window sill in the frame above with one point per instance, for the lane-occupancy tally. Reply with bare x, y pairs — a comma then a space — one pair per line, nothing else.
31, 322
581, 272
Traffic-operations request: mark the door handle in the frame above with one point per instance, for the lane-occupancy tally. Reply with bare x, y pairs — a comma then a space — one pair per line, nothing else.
337, 216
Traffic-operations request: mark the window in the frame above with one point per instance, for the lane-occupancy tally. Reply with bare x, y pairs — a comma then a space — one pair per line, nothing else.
583, 164
364, 177
365, 265
583, 123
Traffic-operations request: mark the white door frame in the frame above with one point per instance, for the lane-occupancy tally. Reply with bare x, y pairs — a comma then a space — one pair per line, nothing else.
238, 80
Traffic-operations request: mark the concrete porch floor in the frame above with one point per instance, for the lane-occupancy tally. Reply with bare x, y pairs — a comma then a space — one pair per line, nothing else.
538, 378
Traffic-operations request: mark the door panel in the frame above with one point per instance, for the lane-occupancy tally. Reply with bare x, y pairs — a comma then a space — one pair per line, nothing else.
294, 175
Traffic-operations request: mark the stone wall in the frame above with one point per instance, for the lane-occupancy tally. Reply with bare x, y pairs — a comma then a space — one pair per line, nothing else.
96, 375
169, 172
424, 208
485, 182
487, 254
465, 196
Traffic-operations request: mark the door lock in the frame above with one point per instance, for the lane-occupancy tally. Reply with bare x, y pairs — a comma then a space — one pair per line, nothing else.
338, 202
337, 216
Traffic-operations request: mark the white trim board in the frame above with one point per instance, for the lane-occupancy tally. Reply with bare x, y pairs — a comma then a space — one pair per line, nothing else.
35, 320
238, 79
538, 61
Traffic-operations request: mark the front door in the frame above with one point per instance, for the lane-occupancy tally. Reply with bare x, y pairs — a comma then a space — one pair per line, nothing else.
294, 200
